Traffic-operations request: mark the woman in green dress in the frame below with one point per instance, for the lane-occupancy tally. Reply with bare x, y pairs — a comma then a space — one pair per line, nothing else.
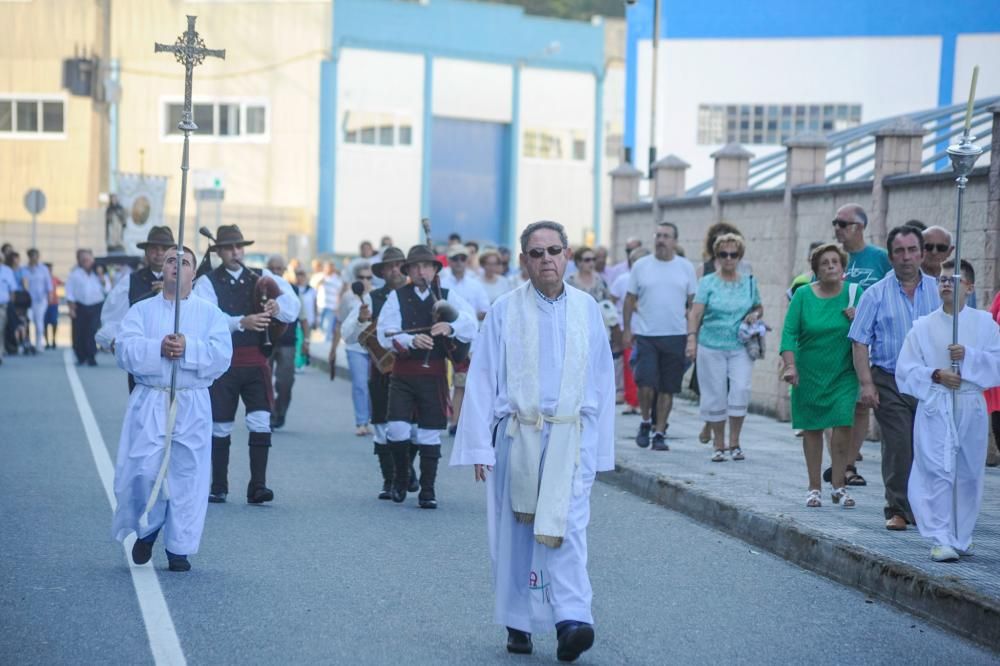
818, 364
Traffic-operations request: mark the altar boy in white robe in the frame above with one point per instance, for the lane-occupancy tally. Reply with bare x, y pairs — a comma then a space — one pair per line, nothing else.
538, 424
949, 452
147, 348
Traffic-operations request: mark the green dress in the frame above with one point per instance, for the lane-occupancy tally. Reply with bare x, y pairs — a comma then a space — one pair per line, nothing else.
815, 331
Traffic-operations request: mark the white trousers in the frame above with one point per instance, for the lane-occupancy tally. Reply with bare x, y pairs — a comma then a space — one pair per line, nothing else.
537, 586
945, 495
38, 308
724, 380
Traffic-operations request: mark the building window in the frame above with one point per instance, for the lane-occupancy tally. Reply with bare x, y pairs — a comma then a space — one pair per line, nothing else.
231, 120
373, 128
554, 144
771, 124
31, 117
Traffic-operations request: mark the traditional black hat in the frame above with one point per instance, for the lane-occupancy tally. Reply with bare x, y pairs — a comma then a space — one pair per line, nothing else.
417, 254
389, 255
229, 234
162, 236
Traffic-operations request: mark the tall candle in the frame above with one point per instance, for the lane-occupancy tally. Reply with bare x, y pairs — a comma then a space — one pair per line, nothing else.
972, 100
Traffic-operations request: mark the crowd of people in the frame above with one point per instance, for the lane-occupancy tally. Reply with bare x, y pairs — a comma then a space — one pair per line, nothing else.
29, 303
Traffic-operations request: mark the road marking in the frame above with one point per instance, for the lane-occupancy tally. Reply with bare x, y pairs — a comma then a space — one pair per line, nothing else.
163, 640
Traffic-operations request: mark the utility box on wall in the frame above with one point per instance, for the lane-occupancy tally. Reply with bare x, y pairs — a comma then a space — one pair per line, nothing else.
78, 76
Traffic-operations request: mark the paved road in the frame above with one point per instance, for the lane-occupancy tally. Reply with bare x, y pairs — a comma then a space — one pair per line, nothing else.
328, 574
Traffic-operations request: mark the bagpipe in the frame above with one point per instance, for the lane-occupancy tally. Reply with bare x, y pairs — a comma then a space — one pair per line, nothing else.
265, 289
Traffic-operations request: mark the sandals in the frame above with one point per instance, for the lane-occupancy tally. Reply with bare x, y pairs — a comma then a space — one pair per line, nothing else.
705, 436
737, 453
852, 478
719, 456
840, 496
813, 500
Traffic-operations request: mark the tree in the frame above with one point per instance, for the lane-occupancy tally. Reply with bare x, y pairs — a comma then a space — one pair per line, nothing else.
580, 10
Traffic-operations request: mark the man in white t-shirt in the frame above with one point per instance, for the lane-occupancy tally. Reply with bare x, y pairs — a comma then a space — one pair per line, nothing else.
328, 298
660, 290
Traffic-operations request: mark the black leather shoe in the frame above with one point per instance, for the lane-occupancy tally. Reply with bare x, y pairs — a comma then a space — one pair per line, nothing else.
386, 491
178, 563
398, 496
660, 443
642, 439
430, 503
518, 642
259, 495
575, 638
217, 498
142, 551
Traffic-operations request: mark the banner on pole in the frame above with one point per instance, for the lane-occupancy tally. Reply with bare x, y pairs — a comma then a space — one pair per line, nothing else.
141, 197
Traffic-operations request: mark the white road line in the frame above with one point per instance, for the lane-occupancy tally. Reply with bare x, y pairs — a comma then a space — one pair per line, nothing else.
163, 641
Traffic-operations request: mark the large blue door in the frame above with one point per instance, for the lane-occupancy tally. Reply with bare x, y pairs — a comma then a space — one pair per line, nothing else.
469, 179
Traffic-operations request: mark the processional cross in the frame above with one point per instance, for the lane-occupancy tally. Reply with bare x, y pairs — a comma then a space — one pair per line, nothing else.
190, 51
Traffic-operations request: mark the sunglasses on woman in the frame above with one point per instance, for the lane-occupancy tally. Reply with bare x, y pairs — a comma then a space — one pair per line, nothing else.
539, 252
727, 255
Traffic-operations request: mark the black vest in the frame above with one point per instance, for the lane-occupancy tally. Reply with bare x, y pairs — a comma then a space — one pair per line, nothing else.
416, 313
289, 337
140, 285
236, 298
378, 299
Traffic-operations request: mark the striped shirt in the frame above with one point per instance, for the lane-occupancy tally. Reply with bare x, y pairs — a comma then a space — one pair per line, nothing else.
886, 314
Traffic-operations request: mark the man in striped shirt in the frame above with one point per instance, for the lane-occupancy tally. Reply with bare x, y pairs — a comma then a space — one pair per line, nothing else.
883, 317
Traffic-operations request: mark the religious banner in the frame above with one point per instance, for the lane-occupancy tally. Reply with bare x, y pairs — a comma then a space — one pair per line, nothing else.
139, 207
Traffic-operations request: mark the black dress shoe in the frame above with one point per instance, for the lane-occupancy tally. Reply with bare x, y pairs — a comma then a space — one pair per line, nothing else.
92, 362
260, 495
575, 638
386, 491
142, 551
429, 503
178, 563
398, 496
518, 642
217, 498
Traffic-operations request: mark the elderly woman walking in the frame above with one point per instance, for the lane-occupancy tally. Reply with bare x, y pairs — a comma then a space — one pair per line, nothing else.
725, 299
818, 364
586, 277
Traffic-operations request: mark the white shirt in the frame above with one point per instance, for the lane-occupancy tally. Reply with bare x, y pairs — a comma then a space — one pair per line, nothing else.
619, 289
470, 289
307, 295
662, 289
495, 290
351, 328
39, 282
7, 283
288, 302
83, 287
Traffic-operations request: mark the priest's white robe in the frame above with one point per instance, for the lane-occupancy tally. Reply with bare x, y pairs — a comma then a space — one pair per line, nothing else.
949, 454
537, 586
183, 501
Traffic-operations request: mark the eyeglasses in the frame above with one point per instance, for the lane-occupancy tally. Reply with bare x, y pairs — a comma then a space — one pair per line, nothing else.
728, 255
364, 277
843, 224
587, 260
936, 247
539, 252
458, 257
949, 279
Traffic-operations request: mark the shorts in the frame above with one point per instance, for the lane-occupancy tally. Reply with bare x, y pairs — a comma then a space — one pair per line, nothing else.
52, 315
252, 384
420, 399
660, 362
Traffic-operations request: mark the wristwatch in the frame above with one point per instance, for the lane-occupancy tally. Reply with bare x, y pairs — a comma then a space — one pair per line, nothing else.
936, 376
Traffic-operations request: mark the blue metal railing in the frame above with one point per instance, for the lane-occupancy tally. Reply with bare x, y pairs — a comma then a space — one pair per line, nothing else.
851, 153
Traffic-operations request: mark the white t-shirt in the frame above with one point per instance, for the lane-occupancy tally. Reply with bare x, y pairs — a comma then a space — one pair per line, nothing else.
662, 289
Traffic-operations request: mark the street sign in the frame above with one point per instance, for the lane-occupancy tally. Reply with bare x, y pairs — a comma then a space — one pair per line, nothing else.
34, 201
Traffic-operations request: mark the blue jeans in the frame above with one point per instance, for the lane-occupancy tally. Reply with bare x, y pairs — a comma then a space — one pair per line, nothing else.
358, 364
327, 322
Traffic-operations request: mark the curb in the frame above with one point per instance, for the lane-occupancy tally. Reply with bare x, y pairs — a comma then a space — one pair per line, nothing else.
323, 365
942, 601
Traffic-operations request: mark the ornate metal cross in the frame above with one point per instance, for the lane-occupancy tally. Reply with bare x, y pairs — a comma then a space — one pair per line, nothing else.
190, 51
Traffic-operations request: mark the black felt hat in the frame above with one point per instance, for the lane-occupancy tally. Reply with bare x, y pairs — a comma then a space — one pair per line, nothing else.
417, 254
389, 255
229, 234
161, 236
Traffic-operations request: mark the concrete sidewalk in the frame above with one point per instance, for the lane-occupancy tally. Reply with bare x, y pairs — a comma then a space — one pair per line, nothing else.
762, 501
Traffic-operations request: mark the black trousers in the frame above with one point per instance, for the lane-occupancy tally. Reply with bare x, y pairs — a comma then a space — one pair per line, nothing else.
85, 326
895, 415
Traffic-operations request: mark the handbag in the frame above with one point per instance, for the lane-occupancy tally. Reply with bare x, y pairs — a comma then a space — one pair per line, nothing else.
752, 335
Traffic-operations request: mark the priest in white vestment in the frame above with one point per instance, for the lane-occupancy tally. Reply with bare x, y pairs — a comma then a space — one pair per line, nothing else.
538, 424
146, 347
949, 449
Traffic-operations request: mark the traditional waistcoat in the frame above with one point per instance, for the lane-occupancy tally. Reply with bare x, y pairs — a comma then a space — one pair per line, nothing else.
416, 313
140, 285
235, 297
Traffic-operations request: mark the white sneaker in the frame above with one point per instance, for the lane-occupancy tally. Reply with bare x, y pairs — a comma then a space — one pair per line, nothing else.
944, 554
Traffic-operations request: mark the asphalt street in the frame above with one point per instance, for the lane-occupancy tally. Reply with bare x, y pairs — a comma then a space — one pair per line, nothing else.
328, 574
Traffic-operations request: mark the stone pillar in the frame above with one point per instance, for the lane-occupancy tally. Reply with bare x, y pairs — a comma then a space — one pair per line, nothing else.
624, 184
732, 172
805, 164
898, 149
991, 279
669, 176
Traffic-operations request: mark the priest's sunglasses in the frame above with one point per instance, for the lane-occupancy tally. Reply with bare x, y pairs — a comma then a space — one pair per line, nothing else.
539, 252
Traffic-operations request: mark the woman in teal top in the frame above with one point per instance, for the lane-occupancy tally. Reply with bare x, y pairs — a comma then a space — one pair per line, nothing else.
725, 299
818, 364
